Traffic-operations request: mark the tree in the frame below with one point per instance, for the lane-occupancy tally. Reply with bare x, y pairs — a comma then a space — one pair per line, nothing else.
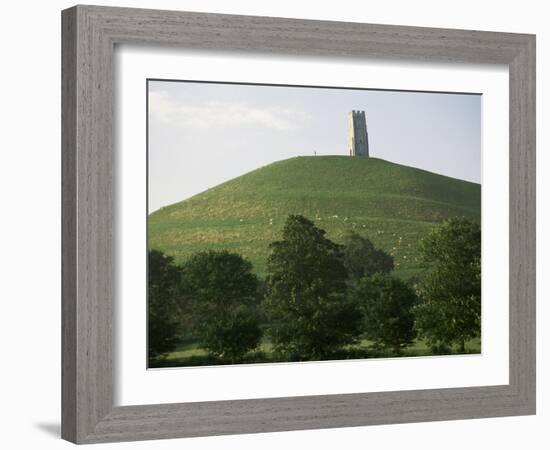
232, 334
223, 291
451, 292
387, 305
165, 304
306, 305
362, 259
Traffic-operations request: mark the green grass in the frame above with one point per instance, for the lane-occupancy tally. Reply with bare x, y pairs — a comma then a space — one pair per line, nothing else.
393, 205
190, 354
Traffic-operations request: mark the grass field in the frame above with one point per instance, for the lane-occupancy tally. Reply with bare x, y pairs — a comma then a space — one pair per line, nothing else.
190, 354
393, 205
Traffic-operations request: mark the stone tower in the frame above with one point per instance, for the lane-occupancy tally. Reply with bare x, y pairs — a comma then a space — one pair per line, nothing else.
358, 136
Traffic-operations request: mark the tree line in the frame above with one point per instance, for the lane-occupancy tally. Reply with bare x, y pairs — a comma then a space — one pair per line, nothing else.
319, 297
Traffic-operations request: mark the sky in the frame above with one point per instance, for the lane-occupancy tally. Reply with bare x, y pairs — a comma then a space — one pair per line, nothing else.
202, 134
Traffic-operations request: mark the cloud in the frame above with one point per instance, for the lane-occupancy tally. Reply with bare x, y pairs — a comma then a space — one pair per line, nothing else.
231, 114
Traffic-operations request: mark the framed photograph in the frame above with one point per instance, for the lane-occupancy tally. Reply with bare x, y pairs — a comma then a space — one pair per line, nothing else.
278, 224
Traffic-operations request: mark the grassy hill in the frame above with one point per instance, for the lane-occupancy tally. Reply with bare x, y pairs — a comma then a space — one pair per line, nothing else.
393, 205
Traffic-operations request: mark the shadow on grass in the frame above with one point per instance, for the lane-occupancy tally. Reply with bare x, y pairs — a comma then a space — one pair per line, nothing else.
361, 351
211, 360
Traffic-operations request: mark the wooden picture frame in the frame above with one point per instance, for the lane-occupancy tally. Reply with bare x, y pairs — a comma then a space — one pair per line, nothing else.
89, 34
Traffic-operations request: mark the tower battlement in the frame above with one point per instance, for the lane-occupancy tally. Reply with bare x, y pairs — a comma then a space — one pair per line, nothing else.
358, 137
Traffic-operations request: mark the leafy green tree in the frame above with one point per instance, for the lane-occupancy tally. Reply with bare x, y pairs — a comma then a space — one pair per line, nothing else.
165, 302
362, 259
451, 292
223, 290
387, 304
308, 312
232, 334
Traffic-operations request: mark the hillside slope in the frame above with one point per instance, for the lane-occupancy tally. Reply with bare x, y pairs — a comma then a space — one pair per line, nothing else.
393, 205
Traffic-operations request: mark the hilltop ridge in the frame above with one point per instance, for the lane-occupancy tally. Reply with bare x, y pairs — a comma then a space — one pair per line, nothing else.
393, 205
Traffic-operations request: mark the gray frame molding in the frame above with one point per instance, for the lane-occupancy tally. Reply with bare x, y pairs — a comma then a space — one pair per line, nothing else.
89, 34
